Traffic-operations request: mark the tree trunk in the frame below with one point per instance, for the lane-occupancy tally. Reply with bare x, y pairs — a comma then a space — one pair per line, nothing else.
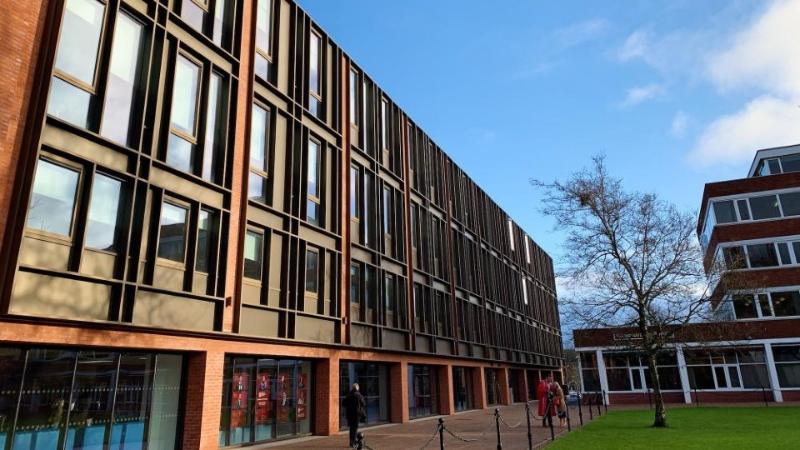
660, 419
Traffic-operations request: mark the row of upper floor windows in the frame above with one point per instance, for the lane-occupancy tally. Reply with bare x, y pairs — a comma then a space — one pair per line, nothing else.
780, 302
760, 254
747, 208
778, 165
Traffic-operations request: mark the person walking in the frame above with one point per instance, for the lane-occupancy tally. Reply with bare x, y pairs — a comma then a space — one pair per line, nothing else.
560, 404
354, 411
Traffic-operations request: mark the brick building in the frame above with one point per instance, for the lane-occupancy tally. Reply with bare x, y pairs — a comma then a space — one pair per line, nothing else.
751, 351
213, 222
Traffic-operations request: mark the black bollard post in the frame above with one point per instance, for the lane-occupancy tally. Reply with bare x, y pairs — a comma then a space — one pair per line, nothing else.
360, 441
764, 394
441, 433
580, 411
603, 398
589, 404
550, 417
497, 424
597, 403
528, 417
569, 423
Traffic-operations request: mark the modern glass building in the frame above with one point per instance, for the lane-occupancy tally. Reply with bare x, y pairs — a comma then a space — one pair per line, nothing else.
214, 221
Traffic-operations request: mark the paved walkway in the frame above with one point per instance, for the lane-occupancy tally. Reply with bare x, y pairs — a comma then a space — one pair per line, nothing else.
477, 428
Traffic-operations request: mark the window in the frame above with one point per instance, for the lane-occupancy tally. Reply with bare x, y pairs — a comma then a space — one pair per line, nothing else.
312, 183
790, 163
353, 97
214, 24
787, 364
53, 198
206, 231
183, 116
389, 300
369, 208
525, 291
384, 124
76, 61
726, 369
744, 306
762, 255
101, 228
253, 251
790, 203
355, 283
259, 141
786, 303
527, 249
744, 209
724, 211
214, 130
510, 233
314, 75
263, 38
312, 271
172, 233
365, 135
734, 257
765, 207
122, 79
355, 203
387, 211
783, 251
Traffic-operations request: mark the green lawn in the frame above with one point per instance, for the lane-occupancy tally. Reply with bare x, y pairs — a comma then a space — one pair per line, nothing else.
706, 428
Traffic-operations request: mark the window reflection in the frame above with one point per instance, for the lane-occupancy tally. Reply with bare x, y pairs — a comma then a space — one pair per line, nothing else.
205, 240
263, 47
80, 38
53, 198
122, 79
69, 103
103, 213
213, 127
253, 243
183, 117
172, 237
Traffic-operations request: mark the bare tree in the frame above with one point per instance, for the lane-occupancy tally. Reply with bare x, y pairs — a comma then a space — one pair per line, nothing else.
632, 259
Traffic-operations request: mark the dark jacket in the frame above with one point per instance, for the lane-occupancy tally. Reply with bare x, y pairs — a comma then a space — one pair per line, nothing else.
354, 406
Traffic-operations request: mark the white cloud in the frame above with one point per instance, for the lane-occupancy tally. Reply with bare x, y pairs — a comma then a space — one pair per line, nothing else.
580, 32
639, 94
766, 55
680, 122
636, 46
764, 122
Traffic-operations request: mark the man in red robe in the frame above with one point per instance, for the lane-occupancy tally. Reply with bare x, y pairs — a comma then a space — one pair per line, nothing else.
541, 396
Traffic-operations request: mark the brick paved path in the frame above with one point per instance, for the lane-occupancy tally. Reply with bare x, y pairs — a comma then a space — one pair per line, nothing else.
476, 426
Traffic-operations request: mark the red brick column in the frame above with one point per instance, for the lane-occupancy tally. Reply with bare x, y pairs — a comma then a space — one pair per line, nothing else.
502, 378
203, 401
445, 380
326, 401
479, 388
523, 385
398, 381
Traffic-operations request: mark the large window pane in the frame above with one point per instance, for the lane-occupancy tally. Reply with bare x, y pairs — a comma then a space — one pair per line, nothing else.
700, 377
184, 95
253, 243
172, 237
762, 255
179, 153
132, 405
259, 139
53, 198
786, 303
787, 363
69, 103
263, 19
12, 361
744, 306
313, 168
214, 127
313, 64
101, 228
122, 79
257, 188
162, 431
765, 207
754, 376
44, 403
790, 163
724, 211
790, 204
80, 38
734, 257
92, 400
355, 210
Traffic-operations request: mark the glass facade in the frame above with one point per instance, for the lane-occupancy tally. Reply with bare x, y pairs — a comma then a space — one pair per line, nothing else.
88, 399
264, 399
492, 387
462, 388
423, 391
373, 381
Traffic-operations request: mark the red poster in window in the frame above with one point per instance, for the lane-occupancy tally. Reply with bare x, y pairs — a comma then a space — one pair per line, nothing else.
239, 398
284, 404
262, 398
301, 396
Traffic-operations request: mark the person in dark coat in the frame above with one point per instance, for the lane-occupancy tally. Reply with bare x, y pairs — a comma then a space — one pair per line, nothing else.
354, 405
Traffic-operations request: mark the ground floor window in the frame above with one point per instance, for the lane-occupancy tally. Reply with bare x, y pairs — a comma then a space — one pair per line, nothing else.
462, 388
423, 392
85, 399
264, 399
727, 368
373, 381
787, 364
492, 386
589, 373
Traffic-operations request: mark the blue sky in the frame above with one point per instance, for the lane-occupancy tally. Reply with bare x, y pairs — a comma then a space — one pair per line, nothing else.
675, 94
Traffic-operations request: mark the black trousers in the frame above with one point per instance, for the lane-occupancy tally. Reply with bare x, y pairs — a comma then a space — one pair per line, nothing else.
353, 424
